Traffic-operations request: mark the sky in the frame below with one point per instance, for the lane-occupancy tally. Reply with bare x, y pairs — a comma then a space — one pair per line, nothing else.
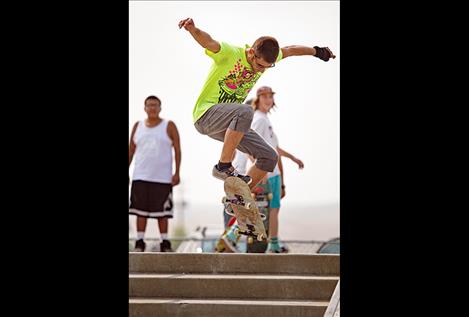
167, 62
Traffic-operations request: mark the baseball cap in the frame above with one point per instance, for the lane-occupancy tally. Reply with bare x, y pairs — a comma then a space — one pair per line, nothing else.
264, 90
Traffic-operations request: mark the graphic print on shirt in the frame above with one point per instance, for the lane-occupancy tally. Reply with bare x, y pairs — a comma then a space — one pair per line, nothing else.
235, 87
271, 131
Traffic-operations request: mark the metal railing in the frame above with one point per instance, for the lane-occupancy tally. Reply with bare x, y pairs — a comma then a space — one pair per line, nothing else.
333, 309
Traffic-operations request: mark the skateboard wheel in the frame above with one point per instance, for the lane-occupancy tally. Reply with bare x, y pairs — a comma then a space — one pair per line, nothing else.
250, 240
270, 196
263, 216
230, 213
258, 190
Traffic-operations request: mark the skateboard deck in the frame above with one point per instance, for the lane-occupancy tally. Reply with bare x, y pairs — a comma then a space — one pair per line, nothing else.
244, 206
262, 195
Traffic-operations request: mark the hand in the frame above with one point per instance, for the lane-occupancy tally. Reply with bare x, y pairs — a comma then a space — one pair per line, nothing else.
175, 180
324, 53
299, 162
283, 193
188, 24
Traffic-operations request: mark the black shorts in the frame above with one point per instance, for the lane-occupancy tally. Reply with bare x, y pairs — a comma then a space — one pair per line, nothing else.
151, 200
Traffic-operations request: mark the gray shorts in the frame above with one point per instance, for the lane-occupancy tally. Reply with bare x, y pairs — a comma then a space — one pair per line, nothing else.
238, 117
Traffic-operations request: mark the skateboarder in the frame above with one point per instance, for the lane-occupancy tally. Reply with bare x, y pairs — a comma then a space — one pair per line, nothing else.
219, 111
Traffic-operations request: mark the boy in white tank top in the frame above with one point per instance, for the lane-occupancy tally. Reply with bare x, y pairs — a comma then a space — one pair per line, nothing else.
151, 143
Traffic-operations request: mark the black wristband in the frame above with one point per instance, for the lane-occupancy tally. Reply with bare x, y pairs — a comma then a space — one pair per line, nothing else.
322, 53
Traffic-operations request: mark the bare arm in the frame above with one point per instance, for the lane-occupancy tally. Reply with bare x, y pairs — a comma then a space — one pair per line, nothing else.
132, 145
280, 167
282, 152
323, 53
203, 38
174, 136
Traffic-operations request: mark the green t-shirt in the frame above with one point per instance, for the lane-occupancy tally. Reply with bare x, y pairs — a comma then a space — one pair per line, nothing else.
230, 80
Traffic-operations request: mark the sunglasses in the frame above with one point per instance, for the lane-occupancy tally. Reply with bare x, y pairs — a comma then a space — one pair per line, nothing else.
263, 66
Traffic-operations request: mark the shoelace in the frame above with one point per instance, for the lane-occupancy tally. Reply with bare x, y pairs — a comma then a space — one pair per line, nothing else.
234, 172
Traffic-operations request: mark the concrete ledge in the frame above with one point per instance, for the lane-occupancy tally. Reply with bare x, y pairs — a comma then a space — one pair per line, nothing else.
223, 307
232, 286
215, 263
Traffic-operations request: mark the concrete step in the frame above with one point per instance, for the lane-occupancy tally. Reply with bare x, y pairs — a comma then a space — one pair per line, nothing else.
161, 307
233, 286
215, 263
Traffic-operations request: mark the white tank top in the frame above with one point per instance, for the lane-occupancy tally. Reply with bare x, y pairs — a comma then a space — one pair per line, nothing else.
153, 153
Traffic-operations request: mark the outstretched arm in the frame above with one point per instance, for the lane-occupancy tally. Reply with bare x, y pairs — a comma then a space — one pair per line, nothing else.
323, 53
282, 152
203, 38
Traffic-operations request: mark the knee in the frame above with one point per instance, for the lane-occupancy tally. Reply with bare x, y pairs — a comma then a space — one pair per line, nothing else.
274, 158
271, 160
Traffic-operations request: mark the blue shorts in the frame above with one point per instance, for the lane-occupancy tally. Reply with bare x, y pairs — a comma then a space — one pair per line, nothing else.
275, 183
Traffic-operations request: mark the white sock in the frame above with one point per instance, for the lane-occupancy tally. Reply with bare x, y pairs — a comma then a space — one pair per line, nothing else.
140, 235
164, 236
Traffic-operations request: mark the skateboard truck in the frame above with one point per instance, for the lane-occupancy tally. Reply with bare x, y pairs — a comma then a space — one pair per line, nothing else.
250, 233
226, 200
237, 200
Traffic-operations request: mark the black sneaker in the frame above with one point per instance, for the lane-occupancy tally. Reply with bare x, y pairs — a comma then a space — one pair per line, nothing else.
139, 246
223, 174
165, 246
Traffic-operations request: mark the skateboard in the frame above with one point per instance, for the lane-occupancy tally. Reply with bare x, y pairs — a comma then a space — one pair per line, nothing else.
262, 194
250, 220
